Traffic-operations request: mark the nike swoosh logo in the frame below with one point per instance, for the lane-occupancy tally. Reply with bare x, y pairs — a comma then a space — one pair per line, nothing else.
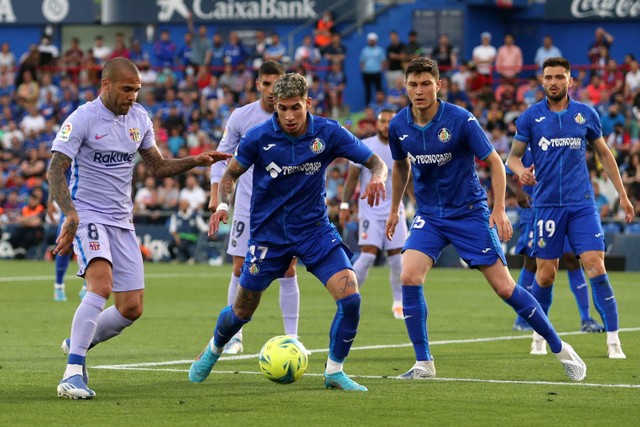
268, 147
609, 298
540, 119
101, 136
402, 138
349, 340
407, 316
581, 286
532, 312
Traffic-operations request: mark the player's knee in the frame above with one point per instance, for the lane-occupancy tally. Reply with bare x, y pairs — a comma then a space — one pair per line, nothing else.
545, 278
594, 267
131, 312
410, 276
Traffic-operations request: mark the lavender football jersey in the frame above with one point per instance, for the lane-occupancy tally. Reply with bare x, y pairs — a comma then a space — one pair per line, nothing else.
241, 120
102, 147
380, 212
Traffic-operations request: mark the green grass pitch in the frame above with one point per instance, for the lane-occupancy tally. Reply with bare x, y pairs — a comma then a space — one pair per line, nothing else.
485, 373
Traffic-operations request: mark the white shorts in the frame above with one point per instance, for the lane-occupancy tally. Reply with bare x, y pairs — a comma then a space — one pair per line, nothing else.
239, 236
372, 232
117, 245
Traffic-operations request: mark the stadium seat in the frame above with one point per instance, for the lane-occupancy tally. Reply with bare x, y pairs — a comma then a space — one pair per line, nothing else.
633, 228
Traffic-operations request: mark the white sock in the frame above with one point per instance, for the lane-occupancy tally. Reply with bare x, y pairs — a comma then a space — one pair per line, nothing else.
290, 304
612, 337
333, 367
72, 370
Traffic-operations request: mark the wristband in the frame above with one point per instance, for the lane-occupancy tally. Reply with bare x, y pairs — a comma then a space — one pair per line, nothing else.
344, 206
222, 207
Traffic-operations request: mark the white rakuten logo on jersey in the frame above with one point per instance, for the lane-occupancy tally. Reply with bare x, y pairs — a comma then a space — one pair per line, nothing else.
572, 143
430, 159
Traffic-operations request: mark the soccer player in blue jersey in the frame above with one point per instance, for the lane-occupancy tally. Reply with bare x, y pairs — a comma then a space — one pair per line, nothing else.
558, 130
524, 247
437, 143
99, 142
289, 154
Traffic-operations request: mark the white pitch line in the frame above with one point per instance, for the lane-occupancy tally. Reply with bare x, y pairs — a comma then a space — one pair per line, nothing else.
147, 276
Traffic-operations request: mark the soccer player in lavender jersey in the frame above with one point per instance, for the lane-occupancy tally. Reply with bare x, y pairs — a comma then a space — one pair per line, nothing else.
372, 219
241, 120
290, 153
438, 142
558, 130
99, 142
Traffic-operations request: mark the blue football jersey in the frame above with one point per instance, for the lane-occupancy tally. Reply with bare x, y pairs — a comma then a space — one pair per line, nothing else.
558, 142
289, 186
442, 156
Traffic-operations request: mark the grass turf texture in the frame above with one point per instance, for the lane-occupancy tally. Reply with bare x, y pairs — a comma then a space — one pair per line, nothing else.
483, 382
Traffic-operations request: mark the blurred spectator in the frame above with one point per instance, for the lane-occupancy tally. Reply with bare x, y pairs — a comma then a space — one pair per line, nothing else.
211, 96
234, 51
72, 59
461, 75
613, 117
380, 103
193, 193
445, 54
318, 96
619, 141
100, 51
613, 78
184, 52
506, 94
306, 54
335, 51
602, 39
91, 68
29, 226
120, 47
367, 124
528, 92
200, 46
49, 53
335, 182
168, 194
595, 90
396, 94
602, 203
7, 58
335, 81
546, 51
146, 205
48, 92
137, 55
372, 63
217, 54
258, 49
413, 49
164, 50
275, 50
323, 31
476, 83
484, 55
600, 63
29, 62
11, 133
33, 121
185, 226
28, 91
457, 96
32, 165
498, 138
509, 59
631, 175
632, 80
395, 59
606, 187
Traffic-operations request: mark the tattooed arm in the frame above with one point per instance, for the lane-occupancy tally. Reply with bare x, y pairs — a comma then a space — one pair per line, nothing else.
59, 190
225, 191
162, 168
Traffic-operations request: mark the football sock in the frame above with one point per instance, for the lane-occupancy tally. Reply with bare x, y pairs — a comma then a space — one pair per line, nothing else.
110, 323
605, 301
415, 311
526, 279
362, 265
290, 304
612, 337
226, 327
529, 309
231, 296
332, 366
580, 290
344, 327
395, 267
544, 296
62, 263
83, 328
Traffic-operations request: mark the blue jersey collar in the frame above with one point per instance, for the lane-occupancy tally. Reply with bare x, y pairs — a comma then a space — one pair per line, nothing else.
546, 105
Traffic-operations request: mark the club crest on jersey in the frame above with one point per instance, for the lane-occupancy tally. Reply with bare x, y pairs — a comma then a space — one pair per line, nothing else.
254, 269
134, 134
94, 246
542, 243
317, 146
64, 133
444, 135
579, 118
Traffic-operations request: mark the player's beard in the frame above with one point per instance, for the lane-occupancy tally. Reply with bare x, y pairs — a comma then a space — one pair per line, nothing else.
562, 94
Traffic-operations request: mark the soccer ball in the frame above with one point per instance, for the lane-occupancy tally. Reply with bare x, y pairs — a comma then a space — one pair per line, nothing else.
283, 359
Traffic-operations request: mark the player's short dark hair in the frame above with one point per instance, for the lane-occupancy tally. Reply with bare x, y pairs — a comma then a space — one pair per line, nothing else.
271, 67
556, 62
423, 65
116, 67
290, 86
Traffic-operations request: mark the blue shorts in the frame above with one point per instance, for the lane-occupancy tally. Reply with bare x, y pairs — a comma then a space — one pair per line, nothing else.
524, 246
470, 235
322, 251
580, 224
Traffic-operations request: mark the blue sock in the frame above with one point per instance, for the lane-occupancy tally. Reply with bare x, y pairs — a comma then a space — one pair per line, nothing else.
544, 296
415, 311
605, 301
62, 263
580, 290
528, 308
526, 279
344, 327
227, 326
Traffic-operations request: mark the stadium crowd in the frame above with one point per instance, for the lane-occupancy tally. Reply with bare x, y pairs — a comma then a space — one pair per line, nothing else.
190, 88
